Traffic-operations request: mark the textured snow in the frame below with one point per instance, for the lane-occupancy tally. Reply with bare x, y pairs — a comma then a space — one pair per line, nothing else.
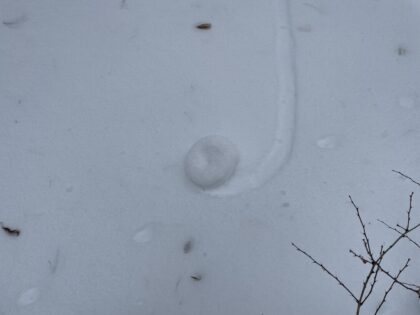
101, 100
407, 102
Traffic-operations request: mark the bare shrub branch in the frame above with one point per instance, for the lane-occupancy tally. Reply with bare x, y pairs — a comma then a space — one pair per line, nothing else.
375, 260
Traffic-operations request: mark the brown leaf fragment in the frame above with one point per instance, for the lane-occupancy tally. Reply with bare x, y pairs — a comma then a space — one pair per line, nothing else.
204, 26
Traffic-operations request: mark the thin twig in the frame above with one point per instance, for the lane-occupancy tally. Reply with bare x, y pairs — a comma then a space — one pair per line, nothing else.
391, 286
365, 239
372, 284
362, 297
409, 211
326, 270
394, 229
363, 259
407, 229
411, 287
408, 177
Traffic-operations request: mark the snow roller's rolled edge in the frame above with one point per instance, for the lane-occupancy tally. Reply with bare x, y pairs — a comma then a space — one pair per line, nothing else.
247, 179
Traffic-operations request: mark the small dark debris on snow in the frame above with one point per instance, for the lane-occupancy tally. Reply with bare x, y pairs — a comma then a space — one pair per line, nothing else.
402, 51
178, 282
196, 277
15, 22
204, 26
10, 231
54, 263
305, 28
188, 246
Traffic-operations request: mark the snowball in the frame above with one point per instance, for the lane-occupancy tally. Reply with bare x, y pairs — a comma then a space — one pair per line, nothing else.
211, 161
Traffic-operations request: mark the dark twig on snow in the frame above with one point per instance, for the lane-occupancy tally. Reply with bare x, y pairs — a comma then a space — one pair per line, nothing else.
326, 270
408, 286
391, 286
406, 229
408, 177
399, 232
365, 238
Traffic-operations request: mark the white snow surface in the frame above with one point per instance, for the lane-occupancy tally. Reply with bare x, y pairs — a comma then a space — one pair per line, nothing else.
101, 100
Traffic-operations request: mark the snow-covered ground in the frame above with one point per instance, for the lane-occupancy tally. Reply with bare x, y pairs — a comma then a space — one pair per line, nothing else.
100, 102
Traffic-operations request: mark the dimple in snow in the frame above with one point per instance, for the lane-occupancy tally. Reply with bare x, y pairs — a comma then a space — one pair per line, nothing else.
28, 297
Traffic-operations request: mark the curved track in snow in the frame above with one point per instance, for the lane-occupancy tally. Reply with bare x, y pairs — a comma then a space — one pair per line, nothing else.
254, 176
